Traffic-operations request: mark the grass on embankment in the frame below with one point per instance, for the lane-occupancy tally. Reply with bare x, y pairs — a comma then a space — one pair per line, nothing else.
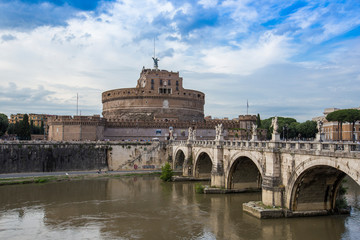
47, 179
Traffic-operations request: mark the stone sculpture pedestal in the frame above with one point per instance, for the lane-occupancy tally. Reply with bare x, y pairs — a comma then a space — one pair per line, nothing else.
275, 137
320, 137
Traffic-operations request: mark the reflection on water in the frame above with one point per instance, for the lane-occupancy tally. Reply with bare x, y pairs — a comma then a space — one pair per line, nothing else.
145, 208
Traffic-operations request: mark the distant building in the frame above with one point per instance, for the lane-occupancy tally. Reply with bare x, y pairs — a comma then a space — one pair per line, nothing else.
157, 104
77, 128
36, 119
331, 129
159, 95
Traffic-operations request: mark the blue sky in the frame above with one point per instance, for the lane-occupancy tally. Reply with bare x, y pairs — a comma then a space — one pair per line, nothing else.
288, 58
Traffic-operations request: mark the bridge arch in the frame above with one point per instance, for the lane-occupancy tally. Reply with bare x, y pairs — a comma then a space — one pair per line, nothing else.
179, 160
203, 165
243, 173
315, 183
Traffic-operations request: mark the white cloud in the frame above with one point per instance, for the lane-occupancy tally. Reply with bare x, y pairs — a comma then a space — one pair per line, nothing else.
208, 3
269, 49
95, 53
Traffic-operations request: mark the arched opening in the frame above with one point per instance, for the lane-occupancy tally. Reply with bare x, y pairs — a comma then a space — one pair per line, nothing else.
203, 166
179, 161
316, 189
244, 175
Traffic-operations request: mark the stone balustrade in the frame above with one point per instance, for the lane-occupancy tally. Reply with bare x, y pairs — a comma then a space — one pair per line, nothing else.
283, 146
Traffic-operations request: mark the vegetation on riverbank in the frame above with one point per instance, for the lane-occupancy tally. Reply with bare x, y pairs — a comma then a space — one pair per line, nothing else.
166, 173
47, 179
199, 188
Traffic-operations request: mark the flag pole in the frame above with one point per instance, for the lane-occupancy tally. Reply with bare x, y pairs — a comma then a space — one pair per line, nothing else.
247, 107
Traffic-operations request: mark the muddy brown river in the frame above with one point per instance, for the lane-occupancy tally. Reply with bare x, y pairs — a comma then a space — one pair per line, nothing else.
145, 208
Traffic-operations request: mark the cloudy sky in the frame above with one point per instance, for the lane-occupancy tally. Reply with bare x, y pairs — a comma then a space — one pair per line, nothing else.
288, 58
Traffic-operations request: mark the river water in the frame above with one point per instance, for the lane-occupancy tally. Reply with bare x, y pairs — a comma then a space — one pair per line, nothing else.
145, 208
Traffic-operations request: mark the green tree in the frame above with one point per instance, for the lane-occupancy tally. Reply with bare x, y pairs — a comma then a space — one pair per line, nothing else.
166, 173
286, 126
4, 123
11, 129
258, 120
24, 132
307, 129
291, 130
42, 127
352, 116
340, 117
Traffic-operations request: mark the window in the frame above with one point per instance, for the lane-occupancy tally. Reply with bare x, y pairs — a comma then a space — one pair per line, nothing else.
177, 88
152, 86
177, 83
161, 82
165, 90
152, 81
169, 82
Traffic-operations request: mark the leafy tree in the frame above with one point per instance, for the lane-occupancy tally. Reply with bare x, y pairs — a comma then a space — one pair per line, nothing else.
291, 130
307, 129
24, 131
11, 129
286, 126
339, 116
4, 123
166, 173
258, 120
42, 127
352, 116
34, 129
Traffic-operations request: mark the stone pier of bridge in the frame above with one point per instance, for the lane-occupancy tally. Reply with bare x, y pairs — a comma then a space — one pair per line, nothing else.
298, 176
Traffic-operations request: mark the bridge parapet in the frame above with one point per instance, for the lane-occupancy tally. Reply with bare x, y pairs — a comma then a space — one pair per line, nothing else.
313, 147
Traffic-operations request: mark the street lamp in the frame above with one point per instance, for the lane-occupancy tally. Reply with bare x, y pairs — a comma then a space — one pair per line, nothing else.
283, 133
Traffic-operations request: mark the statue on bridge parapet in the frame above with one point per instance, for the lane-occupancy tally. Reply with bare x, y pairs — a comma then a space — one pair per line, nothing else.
320, 134
219, 129
275, 134
171, 134
192, 134
254, 133
319, 126
274, 124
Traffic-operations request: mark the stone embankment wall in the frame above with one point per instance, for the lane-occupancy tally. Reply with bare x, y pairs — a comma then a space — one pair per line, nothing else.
75, 156
137, 156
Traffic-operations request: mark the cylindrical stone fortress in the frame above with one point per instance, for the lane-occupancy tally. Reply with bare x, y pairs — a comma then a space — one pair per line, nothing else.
159, 94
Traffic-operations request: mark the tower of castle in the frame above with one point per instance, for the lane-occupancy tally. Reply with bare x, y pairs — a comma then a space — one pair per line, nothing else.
158, 95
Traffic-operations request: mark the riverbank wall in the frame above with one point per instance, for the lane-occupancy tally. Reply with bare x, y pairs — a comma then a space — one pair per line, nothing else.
35, 156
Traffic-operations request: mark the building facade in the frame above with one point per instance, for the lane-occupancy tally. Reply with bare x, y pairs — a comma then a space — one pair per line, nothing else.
331, 131
37, 120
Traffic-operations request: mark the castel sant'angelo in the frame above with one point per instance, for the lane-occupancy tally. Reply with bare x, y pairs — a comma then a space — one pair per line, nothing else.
157, 104
159, 95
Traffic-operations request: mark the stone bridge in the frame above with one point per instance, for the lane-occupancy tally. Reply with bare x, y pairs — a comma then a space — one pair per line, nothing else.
299, 176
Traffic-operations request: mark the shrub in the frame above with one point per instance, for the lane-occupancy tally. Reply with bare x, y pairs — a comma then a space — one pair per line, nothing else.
341, 202
199, 188
166, 173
